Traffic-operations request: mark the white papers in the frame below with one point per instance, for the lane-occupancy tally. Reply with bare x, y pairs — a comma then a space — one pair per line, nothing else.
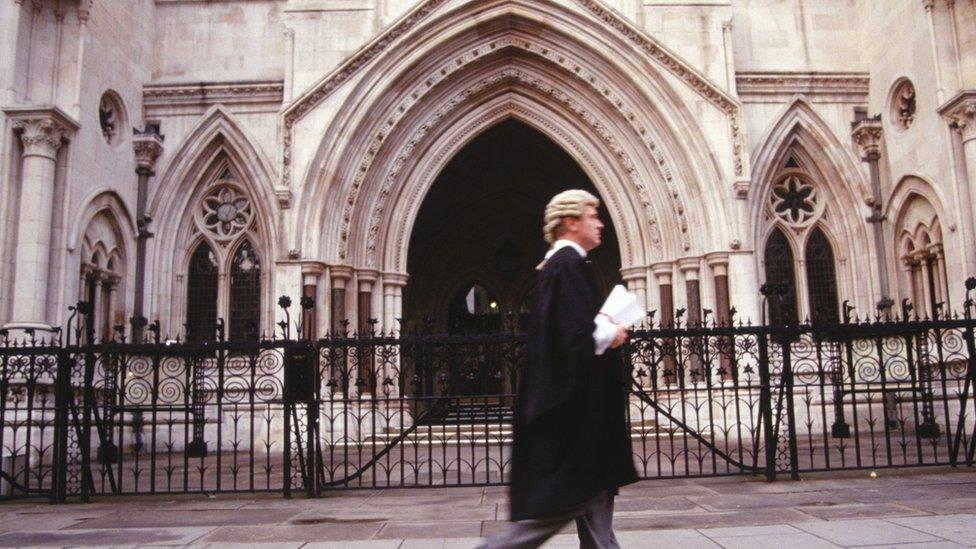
622, 308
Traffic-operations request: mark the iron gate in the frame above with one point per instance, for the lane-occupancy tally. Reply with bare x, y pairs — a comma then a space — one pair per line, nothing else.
82, 418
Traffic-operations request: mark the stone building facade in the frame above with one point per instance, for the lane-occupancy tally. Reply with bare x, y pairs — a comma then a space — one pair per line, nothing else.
189, 160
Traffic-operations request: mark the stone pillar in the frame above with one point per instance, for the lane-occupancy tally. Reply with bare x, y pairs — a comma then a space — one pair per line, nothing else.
98, 307
42, 133
960, 113
365, 327
147, 146
635, 278
365, 278
689, 270
867, 134
929, 6
718, 262
112, 303
393, 284
662, 273
340, 276
311, 273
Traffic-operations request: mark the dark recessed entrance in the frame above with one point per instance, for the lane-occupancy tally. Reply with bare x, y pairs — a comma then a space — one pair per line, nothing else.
478, 236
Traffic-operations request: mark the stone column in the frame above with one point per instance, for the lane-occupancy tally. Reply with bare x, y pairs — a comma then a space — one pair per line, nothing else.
393, 284
42, 133
365, 327
689, 270
112, 303
867, 134
98, 307
311, 272
147, 146
929, 6
718, 262
662, 273
960, 113
635, 278
340, 276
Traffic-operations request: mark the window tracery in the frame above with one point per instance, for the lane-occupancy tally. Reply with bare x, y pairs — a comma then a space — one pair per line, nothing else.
224, 275
798, 214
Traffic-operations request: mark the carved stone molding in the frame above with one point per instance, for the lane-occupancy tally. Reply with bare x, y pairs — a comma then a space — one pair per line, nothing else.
42, 130
503, 77
850, 85
147, 148
157, 98
960, 113
867, 133
561, 58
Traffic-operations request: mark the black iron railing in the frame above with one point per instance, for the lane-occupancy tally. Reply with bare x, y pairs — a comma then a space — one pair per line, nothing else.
82, 418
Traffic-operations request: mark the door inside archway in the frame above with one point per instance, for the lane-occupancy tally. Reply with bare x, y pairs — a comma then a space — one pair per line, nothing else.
478, 238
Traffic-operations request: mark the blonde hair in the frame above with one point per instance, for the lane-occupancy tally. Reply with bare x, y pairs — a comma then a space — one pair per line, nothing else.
565, 204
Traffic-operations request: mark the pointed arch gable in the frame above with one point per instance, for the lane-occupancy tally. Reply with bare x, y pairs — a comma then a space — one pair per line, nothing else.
909, 186
217, 144
686, 167
217, 132
109, 202
800, 124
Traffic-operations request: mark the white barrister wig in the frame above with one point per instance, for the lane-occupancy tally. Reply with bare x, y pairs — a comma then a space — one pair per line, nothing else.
565, 204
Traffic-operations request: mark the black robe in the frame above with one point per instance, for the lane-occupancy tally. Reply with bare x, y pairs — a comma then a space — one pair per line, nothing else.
571, 435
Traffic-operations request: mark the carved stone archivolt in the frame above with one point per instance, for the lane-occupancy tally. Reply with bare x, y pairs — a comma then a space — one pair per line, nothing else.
552, 56
643, 43
503, 77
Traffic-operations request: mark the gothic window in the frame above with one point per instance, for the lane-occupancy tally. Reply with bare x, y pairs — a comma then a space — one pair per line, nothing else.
101, 276
923, 277
778, 261
201, 295
821, 278
225, 281
245, 293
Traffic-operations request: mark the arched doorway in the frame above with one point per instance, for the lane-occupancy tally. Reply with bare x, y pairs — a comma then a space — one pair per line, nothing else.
474, 249
478, 235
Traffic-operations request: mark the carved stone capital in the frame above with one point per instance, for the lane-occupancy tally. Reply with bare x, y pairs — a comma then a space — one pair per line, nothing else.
147, 148
42, 130
960, 114
395, 279
867, 133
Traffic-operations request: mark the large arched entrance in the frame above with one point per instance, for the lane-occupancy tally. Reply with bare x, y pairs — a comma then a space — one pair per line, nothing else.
478, 236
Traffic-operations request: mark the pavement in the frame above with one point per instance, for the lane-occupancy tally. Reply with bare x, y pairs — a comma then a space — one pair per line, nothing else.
930, 507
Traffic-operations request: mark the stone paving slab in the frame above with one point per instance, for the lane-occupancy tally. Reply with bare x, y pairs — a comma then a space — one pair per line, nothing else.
957, 528
851, 533
103, 537
908, 508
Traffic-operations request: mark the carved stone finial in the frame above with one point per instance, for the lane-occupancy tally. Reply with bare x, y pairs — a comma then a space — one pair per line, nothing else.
960, 113
867, 133
147, 147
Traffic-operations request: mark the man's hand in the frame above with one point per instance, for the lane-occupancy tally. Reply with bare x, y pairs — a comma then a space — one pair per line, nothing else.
621, 336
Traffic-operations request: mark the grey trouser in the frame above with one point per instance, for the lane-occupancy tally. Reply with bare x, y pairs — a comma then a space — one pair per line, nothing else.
594, 525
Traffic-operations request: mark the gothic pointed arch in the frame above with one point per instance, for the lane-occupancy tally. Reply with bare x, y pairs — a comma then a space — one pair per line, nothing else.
218, 185
918, 217
102, 241
801, 160
534, 60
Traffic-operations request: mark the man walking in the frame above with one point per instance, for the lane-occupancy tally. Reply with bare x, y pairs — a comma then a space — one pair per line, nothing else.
572, 446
